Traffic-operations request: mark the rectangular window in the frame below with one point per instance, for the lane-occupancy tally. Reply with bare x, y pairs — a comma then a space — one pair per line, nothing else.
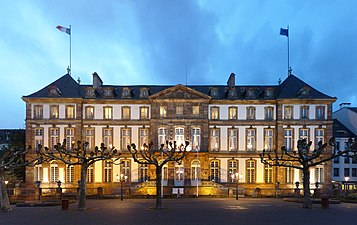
268, 174
90, 174
319, 136
304, 112
320, 112
250, 113
289, 174
70, 112
346, 172
215, 139
288, 139
196, 139
304, 134
179, 110
336, 160
53, 172
54, 137
319, 174
108, 175
108, 137
69, 137
354, 172
126, 111
233, 113
179, 136
288, 112
143, 136
354, 161
70, 174
196, 110
251, 139
125, 138
269, 111
38, 137
336, 172
162, 136
214, 171
268, 139
232, 139
107, 112
347, 160
89, 112
144, 113
214, 113
125, 169
54, 111
163, 111
38, 173
232, 170
89, 133
143, 176
250, 167
38, 112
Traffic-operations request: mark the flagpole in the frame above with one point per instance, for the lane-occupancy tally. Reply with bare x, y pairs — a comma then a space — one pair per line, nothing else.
288, 53
70, 50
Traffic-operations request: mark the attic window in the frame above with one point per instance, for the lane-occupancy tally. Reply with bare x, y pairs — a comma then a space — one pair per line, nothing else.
232, 93
126, 93
54, 91
214, 92
304, 92
90, 92
268, 93
108, 93
144, 92
250, 93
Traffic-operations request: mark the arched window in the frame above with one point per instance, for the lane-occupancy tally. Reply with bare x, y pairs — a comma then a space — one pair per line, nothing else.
179, 175
214, 170
90, 174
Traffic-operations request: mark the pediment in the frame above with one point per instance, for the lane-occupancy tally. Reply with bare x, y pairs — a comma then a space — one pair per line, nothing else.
179, 92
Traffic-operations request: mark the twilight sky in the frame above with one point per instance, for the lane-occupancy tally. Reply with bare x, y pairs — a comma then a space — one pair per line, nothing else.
160, 41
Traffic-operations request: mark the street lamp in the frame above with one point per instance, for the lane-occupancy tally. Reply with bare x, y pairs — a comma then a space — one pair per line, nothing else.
346, 180
237, 177
122, 178
38, 184
6, 182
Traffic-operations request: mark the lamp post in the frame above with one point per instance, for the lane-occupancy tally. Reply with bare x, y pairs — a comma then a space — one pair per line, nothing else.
122, 178
38, 184
236, 176
346, 180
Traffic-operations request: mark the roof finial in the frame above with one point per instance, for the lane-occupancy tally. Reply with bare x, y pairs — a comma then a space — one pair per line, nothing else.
290, 71
79, 80
279, 81
68, 70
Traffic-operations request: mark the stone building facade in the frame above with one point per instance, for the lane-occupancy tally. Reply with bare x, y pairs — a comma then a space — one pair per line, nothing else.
227, 127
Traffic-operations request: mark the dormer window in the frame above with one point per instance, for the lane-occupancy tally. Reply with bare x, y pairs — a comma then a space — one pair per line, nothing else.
126, 93
90, 92
304, 92
214, 92
232, 93
54, 91
108, 93
268, 93
250, 93
144, 92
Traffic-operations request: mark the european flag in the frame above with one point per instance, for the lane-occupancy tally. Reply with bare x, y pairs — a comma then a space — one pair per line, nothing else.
284, 32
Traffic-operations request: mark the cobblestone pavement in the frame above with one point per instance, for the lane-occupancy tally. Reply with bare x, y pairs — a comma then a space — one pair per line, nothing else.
184, 211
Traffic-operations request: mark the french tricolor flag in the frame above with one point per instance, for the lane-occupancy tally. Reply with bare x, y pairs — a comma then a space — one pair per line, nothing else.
64, 29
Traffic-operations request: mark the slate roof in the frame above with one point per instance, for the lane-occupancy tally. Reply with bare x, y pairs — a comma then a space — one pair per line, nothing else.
340, 130
290, 88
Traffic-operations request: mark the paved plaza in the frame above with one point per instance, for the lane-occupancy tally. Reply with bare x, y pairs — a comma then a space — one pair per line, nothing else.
184, 211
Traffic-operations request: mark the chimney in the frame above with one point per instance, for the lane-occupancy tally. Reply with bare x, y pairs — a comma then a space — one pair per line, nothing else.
345, 105
97, 82
231, 81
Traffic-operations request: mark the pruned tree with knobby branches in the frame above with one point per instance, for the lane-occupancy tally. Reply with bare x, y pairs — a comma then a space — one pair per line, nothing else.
10, 160
148, 155
304, 159
80, 155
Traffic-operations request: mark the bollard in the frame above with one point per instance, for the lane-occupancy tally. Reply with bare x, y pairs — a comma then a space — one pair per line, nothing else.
65, 203
324, 203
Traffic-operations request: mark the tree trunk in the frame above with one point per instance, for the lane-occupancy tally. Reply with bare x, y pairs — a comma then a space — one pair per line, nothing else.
158, 187
306, 185
82, 188
4, 197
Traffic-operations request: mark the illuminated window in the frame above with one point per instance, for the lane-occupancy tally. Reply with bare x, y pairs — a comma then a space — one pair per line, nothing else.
89, 133
108, 137
143, 176
70, 174
38, 137
125, 168
89, 112
214, 139
53, 172
38, 176
108, 168
179, 136
232, 139
125, 138
143, 136
54, 111
268, 139
319, 174
232, 170
289, 174
232, 113
144, 113
251, 139
54, 137
304, 134
90, 174
196, 110
162, 136
163, 111
108, 112
196, 139
214, 113
214, 171
179, 110
70, 112
195, 170
125, 113
250, 171
268, 174
288, 139
319, 136
38, 112
69, 138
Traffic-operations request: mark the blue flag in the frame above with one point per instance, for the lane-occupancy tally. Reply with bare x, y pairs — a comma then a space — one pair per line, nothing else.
284, 32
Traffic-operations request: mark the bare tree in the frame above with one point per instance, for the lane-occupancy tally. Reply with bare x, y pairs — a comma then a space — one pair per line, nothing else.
79, 155
158, 157
303, 159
